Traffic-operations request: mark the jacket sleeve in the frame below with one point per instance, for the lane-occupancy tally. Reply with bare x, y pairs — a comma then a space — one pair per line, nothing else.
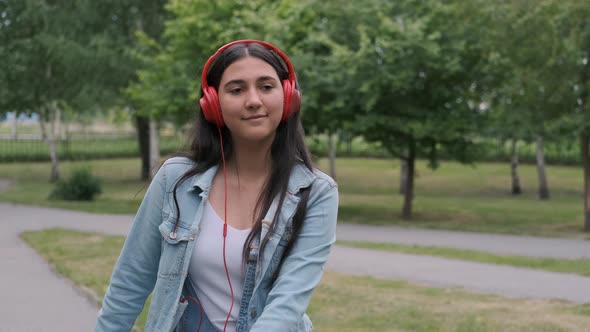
135, 272
302, 269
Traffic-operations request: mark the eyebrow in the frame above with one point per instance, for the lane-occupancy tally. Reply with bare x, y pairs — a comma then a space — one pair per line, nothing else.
260, 79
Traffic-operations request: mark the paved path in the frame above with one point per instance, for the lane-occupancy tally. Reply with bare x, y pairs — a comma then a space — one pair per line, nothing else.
29, 286
33, 297
492, 243
496, 279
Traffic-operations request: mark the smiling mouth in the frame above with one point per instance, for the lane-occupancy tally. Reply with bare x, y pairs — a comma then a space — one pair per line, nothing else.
255, 117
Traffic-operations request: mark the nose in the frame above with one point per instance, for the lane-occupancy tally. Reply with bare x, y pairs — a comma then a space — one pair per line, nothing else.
253, 101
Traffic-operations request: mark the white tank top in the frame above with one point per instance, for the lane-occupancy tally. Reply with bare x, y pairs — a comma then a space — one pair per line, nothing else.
207, 272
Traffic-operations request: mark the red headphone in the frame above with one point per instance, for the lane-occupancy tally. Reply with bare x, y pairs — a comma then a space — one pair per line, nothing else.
210, 100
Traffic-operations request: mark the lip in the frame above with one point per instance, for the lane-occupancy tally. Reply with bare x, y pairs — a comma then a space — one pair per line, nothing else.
253, 117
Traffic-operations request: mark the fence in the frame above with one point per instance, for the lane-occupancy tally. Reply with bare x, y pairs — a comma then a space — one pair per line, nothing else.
79, 147
485, 151
101, 146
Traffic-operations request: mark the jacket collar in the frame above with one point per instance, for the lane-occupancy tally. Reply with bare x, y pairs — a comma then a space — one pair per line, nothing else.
203, 180
301, 177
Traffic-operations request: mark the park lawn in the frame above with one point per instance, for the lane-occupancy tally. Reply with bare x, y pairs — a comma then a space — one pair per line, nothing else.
121, 187
341, 303
455, 196
577, 266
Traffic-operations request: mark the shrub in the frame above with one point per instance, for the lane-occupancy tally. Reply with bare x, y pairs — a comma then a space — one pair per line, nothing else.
81, 186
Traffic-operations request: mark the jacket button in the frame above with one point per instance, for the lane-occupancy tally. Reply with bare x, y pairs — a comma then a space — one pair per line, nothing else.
173, 235
253, 313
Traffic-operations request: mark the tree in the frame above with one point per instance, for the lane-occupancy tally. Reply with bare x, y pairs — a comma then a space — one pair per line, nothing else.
45, 52
311, 33
70, 55
536, 56
417, 70
316, 36
167, 82
120, 21
573, 27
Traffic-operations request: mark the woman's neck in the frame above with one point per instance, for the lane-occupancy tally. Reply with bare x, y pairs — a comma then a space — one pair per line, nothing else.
251, 161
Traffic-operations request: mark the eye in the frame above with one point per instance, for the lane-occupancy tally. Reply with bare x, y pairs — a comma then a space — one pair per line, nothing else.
236, 90
267, 87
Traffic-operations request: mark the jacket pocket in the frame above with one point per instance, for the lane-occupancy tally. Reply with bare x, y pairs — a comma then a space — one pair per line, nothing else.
174, 244
279, 252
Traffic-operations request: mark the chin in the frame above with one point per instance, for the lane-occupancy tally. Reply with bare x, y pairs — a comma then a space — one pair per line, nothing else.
256, 136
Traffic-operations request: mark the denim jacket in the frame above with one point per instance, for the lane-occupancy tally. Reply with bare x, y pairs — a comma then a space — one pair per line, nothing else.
156, 258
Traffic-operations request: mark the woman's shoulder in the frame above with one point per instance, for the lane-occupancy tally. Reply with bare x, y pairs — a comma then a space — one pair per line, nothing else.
179, 160
175, 167
323, 177
303, 177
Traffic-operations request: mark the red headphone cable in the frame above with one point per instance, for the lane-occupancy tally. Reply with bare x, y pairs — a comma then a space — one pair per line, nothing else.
200, 309
231, 290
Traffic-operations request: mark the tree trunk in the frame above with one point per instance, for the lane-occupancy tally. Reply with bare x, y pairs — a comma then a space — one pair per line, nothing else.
154, 148
332, 155
516, 190
349, 146
403, 176
66, 140
54, 160
143, 139
49, 139
543, 187
409, 192
585, 150
15, 126
585, 136
57, 132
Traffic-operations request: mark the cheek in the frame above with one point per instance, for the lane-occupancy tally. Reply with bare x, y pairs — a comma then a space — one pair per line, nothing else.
277, 111
228, 105
278, 103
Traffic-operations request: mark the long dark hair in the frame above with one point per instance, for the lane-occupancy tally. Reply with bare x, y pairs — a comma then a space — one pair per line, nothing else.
287, 150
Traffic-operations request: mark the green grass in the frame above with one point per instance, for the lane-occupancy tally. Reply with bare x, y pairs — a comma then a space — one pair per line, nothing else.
343, 303
577, 266
122, 189
457, 197
462, 197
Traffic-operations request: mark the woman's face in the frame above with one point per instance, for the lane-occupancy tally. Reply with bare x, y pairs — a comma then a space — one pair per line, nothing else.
251, 100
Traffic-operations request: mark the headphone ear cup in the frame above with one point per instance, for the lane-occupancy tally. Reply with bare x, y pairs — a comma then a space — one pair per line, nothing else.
296, 100
292, 99
210, 106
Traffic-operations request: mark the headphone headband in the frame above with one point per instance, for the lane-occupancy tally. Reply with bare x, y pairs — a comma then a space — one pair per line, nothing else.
271, 47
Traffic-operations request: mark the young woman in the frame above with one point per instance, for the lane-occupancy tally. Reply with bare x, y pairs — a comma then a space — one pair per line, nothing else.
235, 235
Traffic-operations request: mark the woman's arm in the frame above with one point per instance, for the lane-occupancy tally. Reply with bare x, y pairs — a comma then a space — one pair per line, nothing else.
136, 269
302, 269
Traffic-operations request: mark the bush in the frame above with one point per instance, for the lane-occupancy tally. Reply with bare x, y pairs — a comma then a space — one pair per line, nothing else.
81, 186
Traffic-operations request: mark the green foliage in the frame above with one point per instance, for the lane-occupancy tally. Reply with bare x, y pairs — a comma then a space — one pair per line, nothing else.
169, 81
534, 92
81, 186
422, 79
52, 53
415, 70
